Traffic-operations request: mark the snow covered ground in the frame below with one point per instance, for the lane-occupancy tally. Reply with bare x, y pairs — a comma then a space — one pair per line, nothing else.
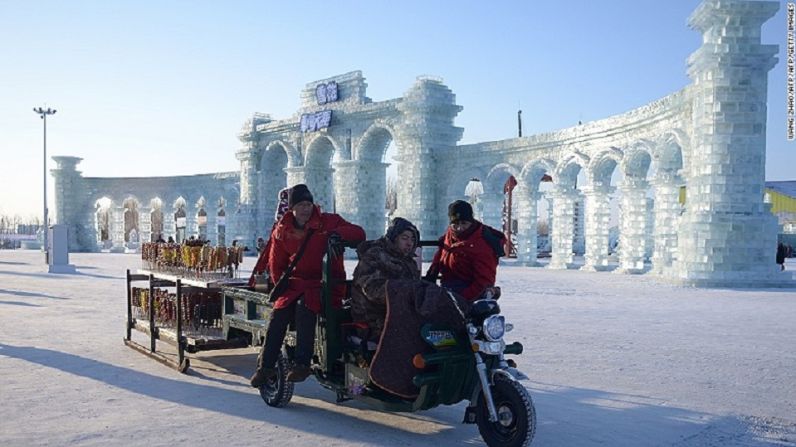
613, 360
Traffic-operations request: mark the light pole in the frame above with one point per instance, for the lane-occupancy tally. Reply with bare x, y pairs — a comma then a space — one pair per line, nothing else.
43, 114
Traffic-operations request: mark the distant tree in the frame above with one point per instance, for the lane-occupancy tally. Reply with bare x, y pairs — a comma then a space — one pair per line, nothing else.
16, 221
392, 196
16, 224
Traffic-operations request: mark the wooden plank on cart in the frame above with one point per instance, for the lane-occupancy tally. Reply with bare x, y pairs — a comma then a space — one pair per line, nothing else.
203, 283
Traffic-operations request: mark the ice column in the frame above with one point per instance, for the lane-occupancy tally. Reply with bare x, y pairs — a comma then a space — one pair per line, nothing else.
245, 215
296, 175
169, 228
347, 182
598, 220
633, 236
728, 235
145, 224
117, 227
69, 202
667, 212
492, 203
426, 128
527, 225
361, 189
563, 227
212, 225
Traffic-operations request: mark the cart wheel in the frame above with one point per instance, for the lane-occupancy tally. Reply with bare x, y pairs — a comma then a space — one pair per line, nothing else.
277, 391
516, 422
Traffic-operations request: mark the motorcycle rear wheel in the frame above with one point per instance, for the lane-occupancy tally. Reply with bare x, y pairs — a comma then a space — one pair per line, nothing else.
277, 391
516, 424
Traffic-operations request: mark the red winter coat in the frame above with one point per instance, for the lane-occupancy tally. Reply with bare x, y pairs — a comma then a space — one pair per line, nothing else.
306, 278
467, 266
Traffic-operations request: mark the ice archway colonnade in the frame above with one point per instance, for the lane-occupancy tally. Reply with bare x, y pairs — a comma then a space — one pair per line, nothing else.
708, 137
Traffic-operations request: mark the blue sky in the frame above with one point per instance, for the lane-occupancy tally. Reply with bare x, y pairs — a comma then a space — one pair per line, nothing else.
162, 88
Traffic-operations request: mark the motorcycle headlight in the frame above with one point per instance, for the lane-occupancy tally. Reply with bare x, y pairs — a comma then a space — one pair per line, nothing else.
494, 327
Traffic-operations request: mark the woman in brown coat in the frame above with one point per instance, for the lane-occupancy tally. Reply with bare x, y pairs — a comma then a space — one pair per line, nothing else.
389, 257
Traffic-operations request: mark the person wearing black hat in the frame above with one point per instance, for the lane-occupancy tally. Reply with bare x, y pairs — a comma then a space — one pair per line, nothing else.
388, 258
468, 254
300, 301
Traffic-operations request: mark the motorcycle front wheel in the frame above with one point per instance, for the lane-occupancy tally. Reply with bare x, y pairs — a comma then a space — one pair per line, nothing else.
516, 422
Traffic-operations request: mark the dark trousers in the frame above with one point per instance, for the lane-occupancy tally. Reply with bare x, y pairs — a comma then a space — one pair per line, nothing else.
277, 327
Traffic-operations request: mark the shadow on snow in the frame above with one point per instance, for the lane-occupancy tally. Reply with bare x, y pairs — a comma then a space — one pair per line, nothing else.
566, 416
30, 294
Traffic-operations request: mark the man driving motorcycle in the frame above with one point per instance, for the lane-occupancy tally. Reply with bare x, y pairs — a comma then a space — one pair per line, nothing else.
468, 254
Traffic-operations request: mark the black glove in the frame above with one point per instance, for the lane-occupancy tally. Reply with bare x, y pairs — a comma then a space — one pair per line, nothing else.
335, 244
491, 292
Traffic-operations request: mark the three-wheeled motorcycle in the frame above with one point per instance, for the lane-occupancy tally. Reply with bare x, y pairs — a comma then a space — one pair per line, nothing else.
458, 366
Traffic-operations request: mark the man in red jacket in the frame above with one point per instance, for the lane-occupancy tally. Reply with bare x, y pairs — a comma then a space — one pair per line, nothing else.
467, 258
301, 299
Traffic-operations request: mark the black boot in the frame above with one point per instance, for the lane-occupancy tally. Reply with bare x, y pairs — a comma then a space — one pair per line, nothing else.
298, 373
262, 376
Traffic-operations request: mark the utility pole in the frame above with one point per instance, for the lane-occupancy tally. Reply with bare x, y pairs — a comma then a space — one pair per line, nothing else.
43, 114
519, 123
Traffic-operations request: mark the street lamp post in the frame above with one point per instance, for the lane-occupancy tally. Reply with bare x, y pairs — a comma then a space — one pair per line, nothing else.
43, 114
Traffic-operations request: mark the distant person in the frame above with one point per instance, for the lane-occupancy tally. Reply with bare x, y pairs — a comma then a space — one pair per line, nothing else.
781, 253
260, 245
171, 239
160, 239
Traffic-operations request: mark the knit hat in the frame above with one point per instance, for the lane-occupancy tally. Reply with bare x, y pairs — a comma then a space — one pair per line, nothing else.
398, 226
460, 211
299, 193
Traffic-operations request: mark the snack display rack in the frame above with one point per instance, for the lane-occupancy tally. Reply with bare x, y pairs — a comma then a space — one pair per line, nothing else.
192, 314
